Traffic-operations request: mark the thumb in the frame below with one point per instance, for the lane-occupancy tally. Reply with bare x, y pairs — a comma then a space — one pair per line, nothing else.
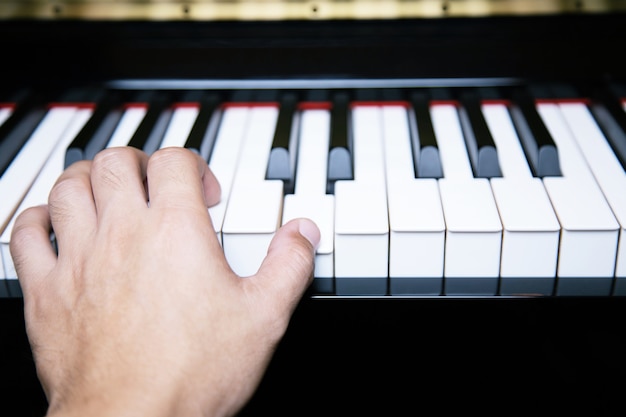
287, 270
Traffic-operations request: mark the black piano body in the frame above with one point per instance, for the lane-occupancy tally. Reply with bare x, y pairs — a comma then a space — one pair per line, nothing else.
364, 354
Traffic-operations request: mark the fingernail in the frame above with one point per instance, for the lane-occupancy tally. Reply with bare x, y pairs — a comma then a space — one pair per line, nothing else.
310, 231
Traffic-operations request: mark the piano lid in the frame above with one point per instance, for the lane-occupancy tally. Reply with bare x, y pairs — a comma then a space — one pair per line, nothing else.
214, 10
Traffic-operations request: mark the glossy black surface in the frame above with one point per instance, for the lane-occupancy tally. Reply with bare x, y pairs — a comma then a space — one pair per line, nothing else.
566, 47
413, 357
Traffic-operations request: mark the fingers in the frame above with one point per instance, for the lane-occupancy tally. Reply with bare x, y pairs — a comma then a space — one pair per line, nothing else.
118, 176
178, 177
71, 207
287, 269
30, 247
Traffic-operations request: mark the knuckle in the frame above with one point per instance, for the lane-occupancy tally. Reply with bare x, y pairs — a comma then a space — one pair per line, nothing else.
172, 154
107, 163
23, 234
65, 188
108, 159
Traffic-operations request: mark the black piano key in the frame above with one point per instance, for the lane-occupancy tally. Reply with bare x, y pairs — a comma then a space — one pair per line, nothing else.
28, 112
287, 111
426, 157
340, 165
157, 134
103, 134
426, 162
20, 102
539, 147
202, 135
14, 141
94, 134
611, 117
282, 158
148, 135
481, 147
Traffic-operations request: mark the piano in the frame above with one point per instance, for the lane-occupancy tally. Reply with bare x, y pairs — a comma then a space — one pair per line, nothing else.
465, 161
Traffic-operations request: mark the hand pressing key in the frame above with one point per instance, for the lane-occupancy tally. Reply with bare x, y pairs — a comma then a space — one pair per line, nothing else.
139, 314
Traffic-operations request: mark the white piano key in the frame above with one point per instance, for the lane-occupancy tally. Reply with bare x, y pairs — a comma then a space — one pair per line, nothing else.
180, 125
8, 274
9, 285
510, 153
132, 117
588, 245
454, 158
310, 199
224, 159
312, 161
531, 229
3, 274
417, 227
361, 216
5, 113
255, 204
25, 167
473, 227
155, 137
605, 167
573, 163
474, 231
38, 193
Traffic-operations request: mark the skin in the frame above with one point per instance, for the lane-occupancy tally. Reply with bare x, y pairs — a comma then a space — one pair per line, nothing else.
140, 314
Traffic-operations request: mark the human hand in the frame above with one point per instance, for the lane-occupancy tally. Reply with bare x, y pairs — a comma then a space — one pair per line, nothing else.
140, 314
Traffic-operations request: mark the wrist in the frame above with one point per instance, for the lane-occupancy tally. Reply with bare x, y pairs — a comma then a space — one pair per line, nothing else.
122, 402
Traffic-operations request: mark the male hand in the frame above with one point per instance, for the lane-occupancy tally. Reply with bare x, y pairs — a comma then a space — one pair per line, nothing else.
140, 314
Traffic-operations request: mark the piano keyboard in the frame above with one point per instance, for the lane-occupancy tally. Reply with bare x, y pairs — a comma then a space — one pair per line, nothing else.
513, 190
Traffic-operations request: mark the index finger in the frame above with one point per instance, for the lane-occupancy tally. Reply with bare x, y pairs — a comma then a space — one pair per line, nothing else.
30, 246
178, 177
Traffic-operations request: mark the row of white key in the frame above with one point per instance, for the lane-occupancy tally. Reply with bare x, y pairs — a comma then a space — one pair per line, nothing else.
504, 229
609, 175
589, 230
24, 169
530, 227
456, 235
41, 182
309, 198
